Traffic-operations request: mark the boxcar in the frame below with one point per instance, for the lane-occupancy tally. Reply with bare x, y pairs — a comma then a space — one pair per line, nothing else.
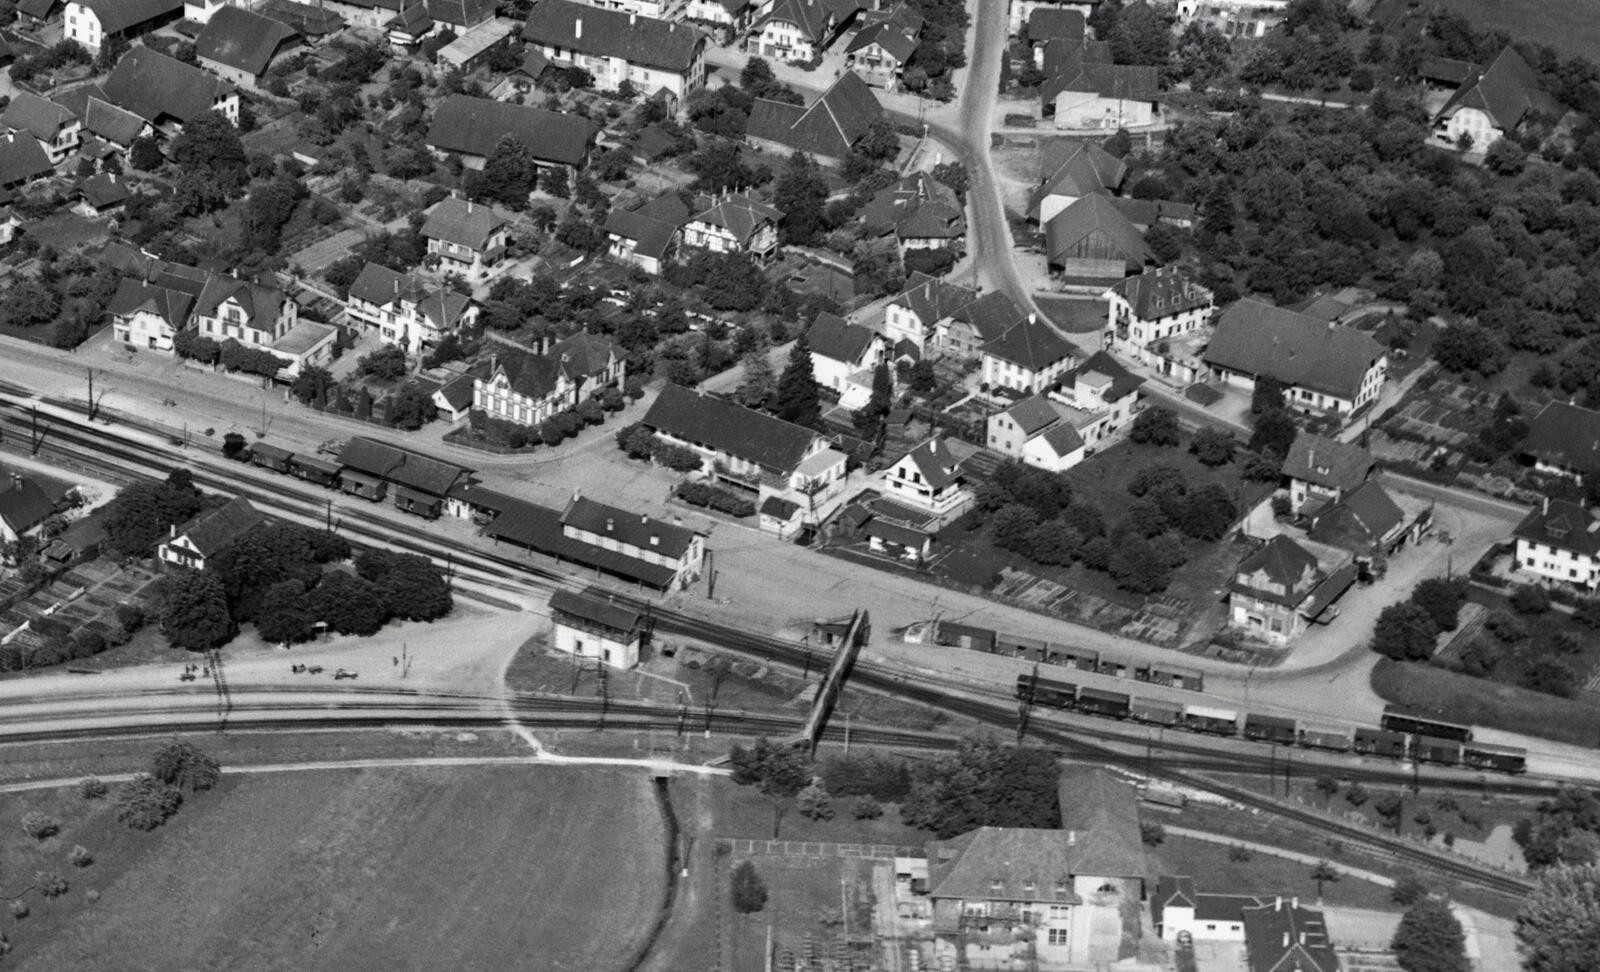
314, 470
1083, 659
1271, 728
1155, 713
1430, 749
1173, 675
1397, 721
1208, 719
1325, 737
1381, 742
1046, 692
1112, 666
1018, 647
1101, 702
270, 457
1504, 759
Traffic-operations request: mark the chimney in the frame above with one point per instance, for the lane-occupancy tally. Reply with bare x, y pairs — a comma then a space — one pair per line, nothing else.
611, 524
577, 28
644, 518
1294, 902
1547, 506
633, 18
1277, 903
172, 531
1285, 939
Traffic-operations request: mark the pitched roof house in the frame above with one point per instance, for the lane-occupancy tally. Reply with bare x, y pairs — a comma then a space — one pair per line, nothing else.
1091, 242
799, 30
635, 547
1564, 439
826, 129
922, 213
1320, 470
1070, 169
26, 502
22, 160
1284, 937
239, 45
934, 315
884, 43
1492, 104
1056, 430
735, 223
930, 477
166, 92
1559, 541
1328, 368
407, 311
209, 534
1101, 97
56, 128
527, 389
1366, 521
615, 46
645, 237
473, 127
1280, 588
1029, 357
93, 23
468, 239
844, 357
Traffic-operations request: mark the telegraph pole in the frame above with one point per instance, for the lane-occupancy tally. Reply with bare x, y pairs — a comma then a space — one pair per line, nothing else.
90, 405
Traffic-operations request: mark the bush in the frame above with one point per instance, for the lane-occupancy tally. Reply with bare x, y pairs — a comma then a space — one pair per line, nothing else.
749, 891
40, 825
1239, 854
1155, 426
92, 788
129, 616
1408, 890
145, 803
712, 497
80, 857
814, 803
182, 765
866, 808
1356, 794
50, 883
384, 364
637, 441
676, 457
874, 775
1530, 599
1152, 833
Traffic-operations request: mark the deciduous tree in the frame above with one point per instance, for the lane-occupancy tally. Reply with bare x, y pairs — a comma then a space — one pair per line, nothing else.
1430, 939
1558, 926
193, 609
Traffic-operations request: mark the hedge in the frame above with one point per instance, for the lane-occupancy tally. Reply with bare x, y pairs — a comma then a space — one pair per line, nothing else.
721, 500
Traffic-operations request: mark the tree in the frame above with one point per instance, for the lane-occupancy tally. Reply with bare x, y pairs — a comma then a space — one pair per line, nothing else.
145, 803
1207, 513
1404, 632
1505, 157
757, 388
193, 608
1530, 599
801, 195
284, 616
1467, 348
267, 211
1558, 926
1430, 939
141, 514
1324, 873
1155, 426
1274, 432
749, 891
411, 408
797, 399
1213, 447
984, 783
814, 803
385, 363
211, 144
1408, 890
510, 173
780, 772
1327, 786
1442, 599
184, 766
410, 586
145, 153
348, 604
311, 385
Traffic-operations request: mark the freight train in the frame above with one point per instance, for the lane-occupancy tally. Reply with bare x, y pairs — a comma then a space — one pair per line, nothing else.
1401, 736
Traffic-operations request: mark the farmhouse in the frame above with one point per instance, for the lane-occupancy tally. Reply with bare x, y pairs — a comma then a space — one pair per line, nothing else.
594, 627
56, 129
1070, 169
468, 240
208, 534
94, 23
844, 357
826, 130
1102, 97
166, 92
1091, 243
1280, 589
652, 55
1321, 470
239, 45
1328, 369
1560, 541
472, 128
1564, 440
526, 389
407, 311
1491, 105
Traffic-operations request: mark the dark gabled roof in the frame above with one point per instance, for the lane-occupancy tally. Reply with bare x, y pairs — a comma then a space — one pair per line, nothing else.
1565, 435
1258, 338
412, 19
262, 303
1145, 213
651, 237
1075, 167
32, 114
584, 354
305, 18
460, 13
1046, 24
813, 19
740, 214
1446, 69
1029, 344
131, 296
211, 532
539, 528
103, 189
1226, 907
24, 504
1103, 810
117, 16
934, 299
1161, 292
461, 222
605, 613
152, 85
474, 126
1123, 381
1033, 413
39, 9
939, 466
457, 392
625, 527
1068, 57
1281, 937
1285, 563
1507, 92
22, 160
115, 125
1004, 864
613, 33
1360, 519
1064, 440
833, 337
577, 357
1125, 81
724, 426
1172, 890
402, 467
778, 507
894, 31
918, 206
243, 40
1561, 524
1326, 462
377, 284
1094, 219
896, 533
991, 315
829, 127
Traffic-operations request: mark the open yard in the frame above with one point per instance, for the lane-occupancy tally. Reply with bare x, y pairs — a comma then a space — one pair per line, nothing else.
1215, 872
470, 868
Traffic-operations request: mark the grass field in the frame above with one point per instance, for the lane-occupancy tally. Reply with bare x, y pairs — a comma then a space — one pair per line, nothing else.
1568, 25
1480, 702
462, 868
1215, 873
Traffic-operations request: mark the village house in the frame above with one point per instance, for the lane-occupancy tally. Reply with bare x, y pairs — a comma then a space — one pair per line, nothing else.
652, 55
844, 357
1047, 24
1022, 10
1152, 317
727, 17
1069, 169
922, 213
239, 45
1559, 541
826, 129
526, 389
800, 30
1102, 97
1369, 524
1244, 19
932, 316
471, 128
735, 223
1321, 470
752, 451
102, 194
929, 478
1028, 358
1493, 104
22, 161
1564, 440
107, 131
27, 501
407, 311
466, 239
148, 311
55, 128
1280, 589
1056, 430
1328, 369
1177, 907
1090, 243
646, 237
94, 23
166, 92
880, 49
208, 534
262, 316
1281, 936
370, 14
586, 626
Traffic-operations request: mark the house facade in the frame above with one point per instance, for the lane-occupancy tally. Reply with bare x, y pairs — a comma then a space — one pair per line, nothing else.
1280, 589
1147, 312
636, 536
1559, 542
1028, 358
1321, 470
653, 55
466, 239
844, 358
929, 478
205, 536
57, 130
1058, 429
253, 314
1328, 369
405, 310
93, 23
526, 389
735, 223
591, 627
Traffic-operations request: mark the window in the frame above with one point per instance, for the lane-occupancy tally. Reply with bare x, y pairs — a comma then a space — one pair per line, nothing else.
1211, 928
1057, 936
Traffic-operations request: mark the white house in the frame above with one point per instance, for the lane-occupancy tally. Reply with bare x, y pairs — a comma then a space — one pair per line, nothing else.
1028, 358
256, 315
150, 313
844, 357
94, 22
466, 238
1056, 430
1492, 104
735, 223
929, 478
1321, 470
593, 627
208, 534
1560, 541
407, 312
1156, 306
652, 55
1102, 97
800, 30
1328, 369
1177, 907
637, 536
526, 389
1564, 440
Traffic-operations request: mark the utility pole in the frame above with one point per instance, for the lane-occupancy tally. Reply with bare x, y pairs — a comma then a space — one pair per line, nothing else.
91, 393
33, 431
